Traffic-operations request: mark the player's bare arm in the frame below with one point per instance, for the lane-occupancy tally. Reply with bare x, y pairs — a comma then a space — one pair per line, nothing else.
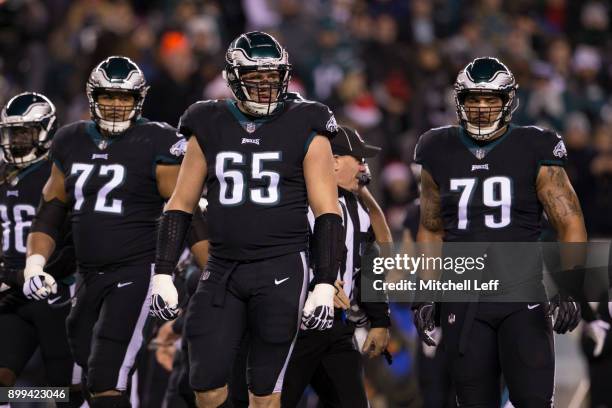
166, 176
41, 240
561, 204
319, 176
190, 181
431, 227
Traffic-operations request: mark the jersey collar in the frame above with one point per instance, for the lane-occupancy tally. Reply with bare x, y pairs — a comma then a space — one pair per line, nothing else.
101, 141
25, 171
481, 151
249, 125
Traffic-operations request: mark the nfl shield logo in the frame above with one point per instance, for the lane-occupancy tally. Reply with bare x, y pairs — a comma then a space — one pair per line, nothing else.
250, 127
480, 154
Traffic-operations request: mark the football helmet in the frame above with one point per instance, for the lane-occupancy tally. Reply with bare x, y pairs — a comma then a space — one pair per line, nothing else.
257, 52
485, 75
115, 75
27, 125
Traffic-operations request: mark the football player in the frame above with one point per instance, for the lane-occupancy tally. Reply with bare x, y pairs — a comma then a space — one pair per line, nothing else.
264, 155
488, 181
27, 125
113, 173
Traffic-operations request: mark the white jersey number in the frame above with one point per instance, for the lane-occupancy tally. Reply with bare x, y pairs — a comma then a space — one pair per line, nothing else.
21, 213
233, 188
83, 172
496, 192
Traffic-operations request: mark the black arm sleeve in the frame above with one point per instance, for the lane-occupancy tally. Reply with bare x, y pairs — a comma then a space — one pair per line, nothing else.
50, 217
199, 228
171, 234
327, 248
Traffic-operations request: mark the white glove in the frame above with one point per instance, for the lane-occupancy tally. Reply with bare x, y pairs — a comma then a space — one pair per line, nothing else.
597, 330
37, 284
164, 297
318, 313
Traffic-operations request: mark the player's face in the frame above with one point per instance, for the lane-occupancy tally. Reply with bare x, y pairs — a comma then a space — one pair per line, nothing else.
483, 109
348, 169
20, 139
116, 106
262, 86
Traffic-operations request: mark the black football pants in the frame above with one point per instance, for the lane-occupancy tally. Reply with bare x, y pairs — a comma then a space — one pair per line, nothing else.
513, 339
329, 361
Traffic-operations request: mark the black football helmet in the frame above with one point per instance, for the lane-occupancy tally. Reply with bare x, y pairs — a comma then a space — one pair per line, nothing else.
486, 75
257, 52
116, 74
27, 125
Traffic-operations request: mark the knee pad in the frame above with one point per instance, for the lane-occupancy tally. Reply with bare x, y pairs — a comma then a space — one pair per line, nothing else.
110, 401
7, 377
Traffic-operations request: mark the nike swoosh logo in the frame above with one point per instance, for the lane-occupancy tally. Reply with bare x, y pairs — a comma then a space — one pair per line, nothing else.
52, 301
532, 306
120, 285
278, 282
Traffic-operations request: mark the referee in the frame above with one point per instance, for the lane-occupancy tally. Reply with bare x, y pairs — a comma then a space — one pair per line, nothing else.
330, 360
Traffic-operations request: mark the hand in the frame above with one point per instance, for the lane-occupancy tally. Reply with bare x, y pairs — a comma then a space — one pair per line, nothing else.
565, 313
318, 313
341, 301
424, 315
164, 298
37, 284
166, 335
597, 330
165, 345
165, 356
376, 342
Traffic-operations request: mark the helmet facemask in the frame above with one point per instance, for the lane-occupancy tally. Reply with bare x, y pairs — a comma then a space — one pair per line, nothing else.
259, 97
20, 143
482, 122
115, 117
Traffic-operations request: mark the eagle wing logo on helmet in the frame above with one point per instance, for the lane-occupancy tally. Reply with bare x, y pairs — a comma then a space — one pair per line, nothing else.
560, 151
179, 148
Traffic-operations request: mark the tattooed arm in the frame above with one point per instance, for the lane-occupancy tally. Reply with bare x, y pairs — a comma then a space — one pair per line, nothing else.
561, 204
430, 226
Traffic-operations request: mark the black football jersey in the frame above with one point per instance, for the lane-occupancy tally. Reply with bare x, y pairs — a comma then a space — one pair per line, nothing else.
488, 192
257, 198
112, 188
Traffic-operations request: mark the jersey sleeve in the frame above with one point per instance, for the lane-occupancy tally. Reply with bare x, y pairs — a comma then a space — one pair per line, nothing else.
550, 149
323, 121
57, 153
169, 144
194, 121
424, 151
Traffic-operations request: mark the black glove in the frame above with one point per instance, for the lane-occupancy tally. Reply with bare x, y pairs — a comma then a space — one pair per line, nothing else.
565, 312
424, 320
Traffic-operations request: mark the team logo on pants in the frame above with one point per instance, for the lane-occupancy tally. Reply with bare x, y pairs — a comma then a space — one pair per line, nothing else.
451, 318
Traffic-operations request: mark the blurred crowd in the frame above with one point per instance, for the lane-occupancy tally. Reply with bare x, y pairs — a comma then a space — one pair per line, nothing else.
384, 66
